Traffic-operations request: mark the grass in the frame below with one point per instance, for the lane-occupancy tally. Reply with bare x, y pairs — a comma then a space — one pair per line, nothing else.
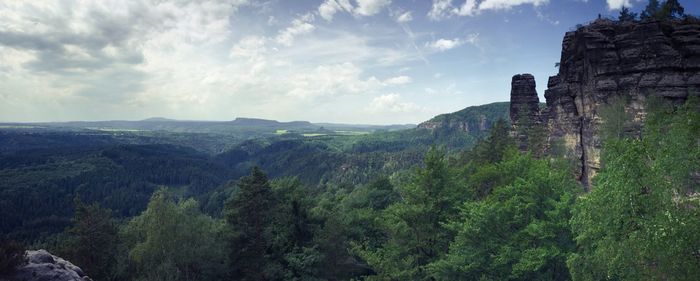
352, 133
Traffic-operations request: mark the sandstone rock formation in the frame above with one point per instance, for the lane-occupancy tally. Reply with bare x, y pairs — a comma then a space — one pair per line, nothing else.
604, 60
524, 107
43, 266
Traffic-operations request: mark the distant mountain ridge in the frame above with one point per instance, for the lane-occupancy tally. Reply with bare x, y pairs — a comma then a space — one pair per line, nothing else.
241, 125
475, 120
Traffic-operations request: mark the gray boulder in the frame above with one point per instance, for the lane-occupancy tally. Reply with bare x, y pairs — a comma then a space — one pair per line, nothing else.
43, 266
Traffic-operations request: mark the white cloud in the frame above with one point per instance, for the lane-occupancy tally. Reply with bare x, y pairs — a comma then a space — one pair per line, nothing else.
442, 45
332, 80
507, 4
391, 103
404, 17
469, 8
329, 8
618, 4
442, 9
299, 26
370, 7
398, 80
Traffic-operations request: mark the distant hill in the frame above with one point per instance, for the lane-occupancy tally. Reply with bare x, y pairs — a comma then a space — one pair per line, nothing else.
474, 120
241, 127
241, 121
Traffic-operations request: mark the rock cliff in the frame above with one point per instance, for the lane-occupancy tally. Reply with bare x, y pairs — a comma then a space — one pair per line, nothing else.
607, 60
43, 266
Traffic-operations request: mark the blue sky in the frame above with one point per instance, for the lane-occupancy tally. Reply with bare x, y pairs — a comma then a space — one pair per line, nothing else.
350, 61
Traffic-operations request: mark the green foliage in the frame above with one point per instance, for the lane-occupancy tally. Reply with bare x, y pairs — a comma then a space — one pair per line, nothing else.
12, 255
415, 225
615, 119
174, 241
519, 231
638, 223
492, 149
670, 9
272, 230
626, 15
651, 9
91, 242
249, 213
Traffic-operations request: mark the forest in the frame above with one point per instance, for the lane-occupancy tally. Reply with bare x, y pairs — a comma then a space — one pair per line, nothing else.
459, 197
489, 212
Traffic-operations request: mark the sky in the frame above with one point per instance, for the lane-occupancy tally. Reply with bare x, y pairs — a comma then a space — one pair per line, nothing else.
343, 61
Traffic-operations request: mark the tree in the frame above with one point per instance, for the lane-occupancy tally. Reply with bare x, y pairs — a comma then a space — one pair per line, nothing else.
91, 242
626, 14
614, 119
414, 226
292, 232
492, 149
649, 228
12, 255
174, 241
249, 213
519, 231
672, 9
651, 10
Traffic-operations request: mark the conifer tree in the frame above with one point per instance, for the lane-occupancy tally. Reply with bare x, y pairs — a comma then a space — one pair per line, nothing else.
248, 213
92, 240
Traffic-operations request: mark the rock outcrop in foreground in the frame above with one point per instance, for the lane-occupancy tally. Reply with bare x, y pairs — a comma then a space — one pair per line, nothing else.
608, 60
43, 266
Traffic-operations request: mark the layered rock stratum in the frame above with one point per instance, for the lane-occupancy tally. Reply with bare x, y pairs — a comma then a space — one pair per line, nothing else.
604, 61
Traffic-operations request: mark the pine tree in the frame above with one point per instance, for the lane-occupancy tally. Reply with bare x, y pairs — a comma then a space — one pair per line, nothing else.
672, 9
92, 240
626, 14
12, 255
651, 10
249, 213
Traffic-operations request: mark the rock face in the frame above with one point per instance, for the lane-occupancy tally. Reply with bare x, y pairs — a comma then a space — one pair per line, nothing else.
608, 60
524, 107
43, 266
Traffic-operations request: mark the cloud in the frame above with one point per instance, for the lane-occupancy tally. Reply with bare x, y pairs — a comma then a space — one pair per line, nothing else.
404, 17
299, 26
444, 44
332, 80
469, 8
205, 59
398, 80
442, 9
370, 7
507, 4
329, 8
618, 4
391, 103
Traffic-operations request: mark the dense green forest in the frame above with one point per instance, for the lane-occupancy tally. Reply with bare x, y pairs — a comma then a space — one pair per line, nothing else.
489, 212
43, 169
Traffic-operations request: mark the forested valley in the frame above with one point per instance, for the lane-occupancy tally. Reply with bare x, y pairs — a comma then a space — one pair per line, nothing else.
489, 212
